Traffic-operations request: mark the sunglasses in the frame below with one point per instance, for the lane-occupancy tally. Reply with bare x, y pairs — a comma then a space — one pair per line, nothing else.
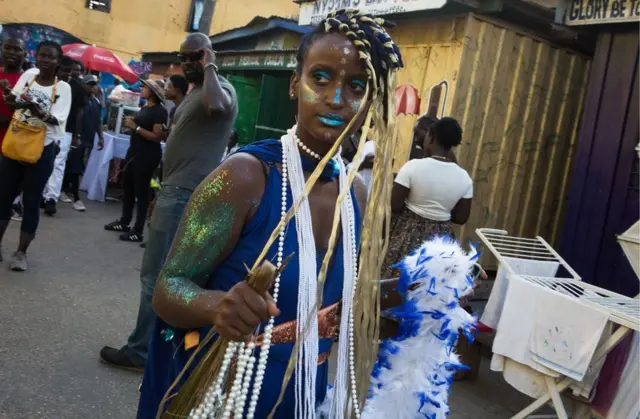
191, 57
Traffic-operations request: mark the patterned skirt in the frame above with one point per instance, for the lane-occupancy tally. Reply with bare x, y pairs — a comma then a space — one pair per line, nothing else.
408, 231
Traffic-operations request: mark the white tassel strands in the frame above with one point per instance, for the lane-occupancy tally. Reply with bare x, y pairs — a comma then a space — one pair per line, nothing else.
216, 403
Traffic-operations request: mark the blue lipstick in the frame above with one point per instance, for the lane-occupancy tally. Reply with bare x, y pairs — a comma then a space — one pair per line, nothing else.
331, 120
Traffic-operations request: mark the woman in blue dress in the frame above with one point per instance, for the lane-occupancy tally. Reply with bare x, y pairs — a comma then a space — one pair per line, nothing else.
234, 211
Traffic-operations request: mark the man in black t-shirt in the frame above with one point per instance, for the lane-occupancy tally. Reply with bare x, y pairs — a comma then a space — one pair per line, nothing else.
72, 135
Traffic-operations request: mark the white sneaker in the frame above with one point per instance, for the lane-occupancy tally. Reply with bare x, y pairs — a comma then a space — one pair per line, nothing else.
65, 198
19, 262
79, 206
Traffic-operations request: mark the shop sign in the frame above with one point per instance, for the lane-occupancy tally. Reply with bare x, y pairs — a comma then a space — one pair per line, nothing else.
259, 61
590, 12
313, 12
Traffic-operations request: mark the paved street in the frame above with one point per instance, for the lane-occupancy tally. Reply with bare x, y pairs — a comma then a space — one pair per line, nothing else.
80, 293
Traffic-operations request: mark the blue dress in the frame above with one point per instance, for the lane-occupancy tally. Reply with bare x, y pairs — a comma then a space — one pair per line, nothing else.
167, 357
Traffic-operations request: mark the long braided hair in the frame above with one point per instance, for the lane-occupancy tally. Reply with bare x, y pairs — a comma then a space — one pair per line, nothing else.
382, 58
369, 35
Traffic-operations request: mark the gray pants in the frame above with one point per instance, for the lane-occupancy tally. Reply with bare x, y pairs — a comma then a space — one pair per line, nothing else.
170, 205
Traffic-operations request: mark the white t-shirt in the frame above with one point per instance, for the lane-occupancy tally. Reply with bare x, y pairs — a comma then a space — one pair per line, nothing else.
435, 187
42, 95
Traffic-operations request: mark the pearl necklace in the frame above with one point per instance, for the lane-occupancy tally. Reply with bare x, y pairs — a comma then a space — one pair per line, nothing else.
304, 147
218, 405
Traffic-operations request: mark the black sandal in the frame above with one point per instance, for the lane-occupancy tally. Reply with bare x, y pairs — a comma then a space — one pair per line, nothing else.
131, 237
117, 226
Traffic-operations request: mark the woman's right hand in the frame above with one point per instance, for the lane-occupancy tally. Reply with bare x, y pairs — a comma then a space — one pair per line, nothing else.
130, 123
239, 313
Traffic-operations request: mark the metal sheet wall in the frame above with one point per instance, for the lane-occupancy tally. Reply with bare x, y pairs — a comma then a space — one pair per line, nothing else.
519, 101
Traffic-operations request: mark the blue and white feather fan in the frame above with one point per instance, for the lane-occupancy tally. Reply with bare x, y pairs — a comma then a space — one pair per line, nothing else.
414, 371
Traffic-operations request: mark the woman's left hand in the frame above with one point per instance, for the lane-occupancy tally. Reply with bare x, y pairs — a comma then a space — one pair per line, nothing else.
130, 123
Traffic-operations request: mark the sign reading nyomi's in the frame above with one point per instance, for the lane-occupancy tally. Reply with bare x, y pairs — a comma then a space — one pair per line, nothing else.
590, 12
313, 12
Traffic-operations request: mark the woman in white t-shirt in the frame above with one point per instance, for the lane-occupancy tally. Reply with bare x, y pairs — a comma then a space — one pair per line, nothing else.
429, 194
36, 96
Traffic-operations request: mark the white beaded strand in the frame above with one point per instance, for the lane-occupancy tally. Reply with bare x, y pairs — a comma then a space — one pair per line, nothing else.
237, 382
342, 375
214, 395
241, 399
351, 333
266, 343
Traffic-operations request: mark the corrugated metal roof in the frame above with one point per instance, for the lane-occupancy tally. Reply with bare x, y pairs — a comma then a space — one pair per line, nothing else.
256, 51
258, 26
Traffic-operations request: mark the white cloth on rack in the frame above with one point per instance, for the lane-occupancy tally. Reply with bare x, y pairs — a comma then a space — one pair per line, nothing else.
565, 333
524, 301
493, 310
517, 322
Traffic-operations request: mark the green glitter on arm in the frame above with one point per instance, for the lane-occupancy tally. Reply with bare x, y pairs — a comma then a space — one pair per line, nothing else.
182, 289
208, 232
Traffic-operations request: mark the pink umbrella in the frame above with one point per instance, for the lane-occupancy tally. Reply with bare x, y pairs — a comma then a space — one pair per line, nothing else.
100, 59
407, 100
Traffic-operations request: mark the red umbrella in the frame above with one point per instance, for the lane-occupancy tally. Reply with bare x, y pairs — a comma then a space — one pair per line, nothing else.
407, 100
100, 59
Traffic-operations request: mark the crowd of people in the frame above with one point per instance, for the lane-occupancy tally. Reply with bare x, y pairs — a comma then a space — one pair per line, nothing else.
217, 204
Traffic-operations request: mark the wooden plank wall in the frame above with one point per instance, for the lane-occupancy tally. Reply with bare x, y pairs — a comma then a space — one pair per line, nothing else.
519, 101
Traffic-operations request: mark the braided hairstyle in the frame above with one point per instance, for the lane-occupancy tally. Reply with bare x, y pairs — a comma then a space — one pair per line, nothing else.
369, 35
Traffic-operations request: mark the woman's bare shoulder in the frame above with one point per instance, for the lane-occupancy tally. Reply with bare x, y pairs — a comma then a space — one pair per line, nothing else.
239, 178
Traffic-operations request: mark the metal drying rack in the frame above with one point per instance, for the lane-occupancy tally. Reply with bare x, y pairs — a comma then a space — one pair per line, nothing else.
623, 311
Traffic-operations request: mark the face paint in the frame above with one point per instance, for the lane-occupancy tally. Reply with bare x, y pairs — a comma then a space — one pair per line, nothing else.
355, 105
338, 97
308, 94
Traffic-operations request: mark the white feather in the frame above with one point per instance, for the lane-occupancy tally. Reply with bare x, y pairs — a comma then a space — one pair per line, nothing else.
417, 380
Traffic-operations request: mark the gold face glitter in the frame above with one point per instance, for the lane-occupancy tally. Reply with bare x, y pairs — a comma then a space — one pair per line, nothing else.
309, 95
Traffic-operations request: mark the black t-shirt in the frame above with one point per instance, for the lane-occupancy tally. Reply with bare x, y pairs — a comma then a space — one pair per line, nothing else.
146, 119
78, 100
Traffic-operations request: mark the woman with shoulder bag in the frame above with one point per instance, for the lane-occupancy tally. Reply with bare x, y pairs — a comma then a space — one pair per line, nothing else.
41, 105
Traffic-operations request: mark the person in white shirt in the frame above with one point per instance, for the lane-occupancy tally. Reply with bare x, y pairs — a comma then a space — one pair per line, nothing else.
37, 97
429, 194
366, 167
